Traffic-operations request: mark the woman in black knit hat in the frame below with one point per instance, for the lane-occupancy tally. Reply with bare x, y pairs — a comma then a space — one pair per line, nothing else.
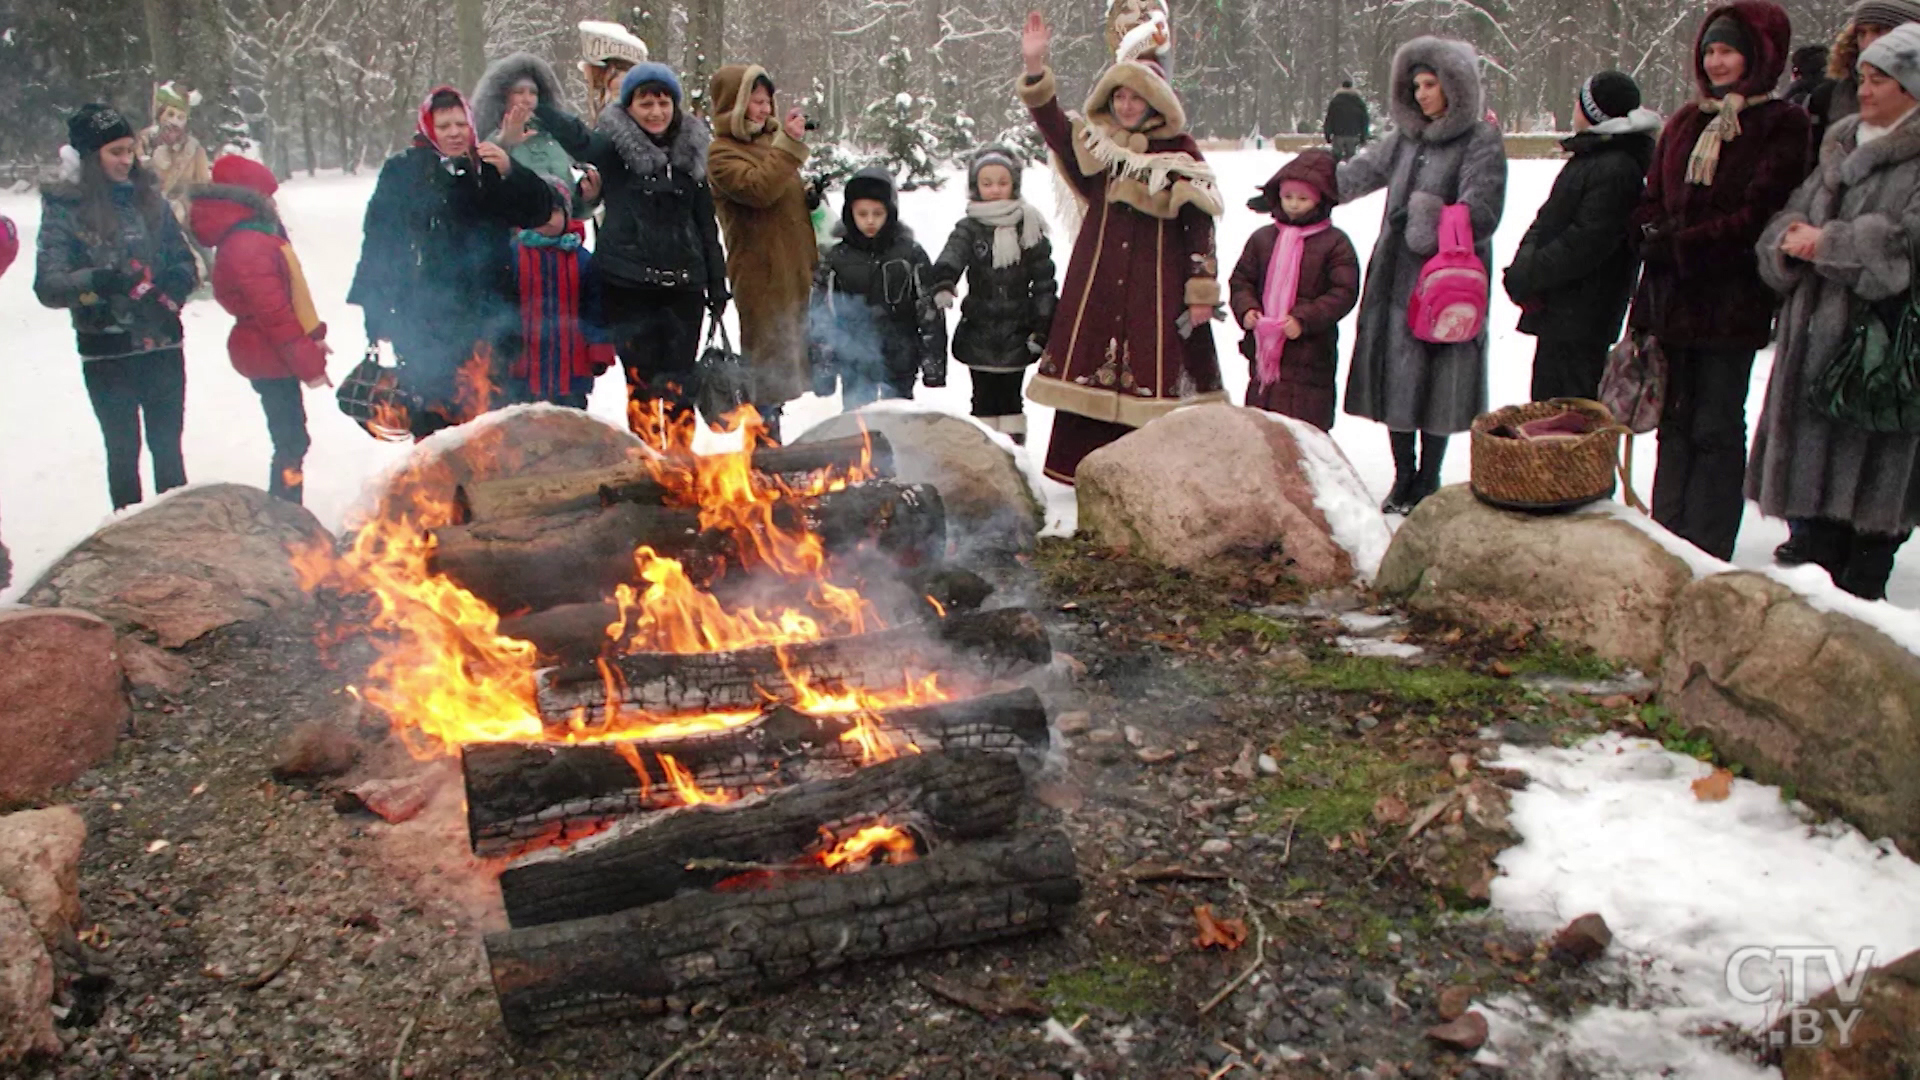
111, 252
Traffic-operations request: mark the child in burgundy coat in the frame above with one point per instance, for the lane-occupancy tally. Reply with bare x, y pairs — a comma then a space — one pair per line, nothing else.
564, 339
1295, 281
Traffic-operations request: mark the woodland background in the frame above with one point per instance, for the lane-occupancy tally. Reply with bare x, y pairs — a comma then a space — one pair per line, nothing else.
334, 83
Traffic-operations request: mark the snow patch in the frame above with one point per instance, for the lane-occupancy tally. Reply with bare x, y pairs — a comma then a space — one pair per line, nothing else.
1612, 826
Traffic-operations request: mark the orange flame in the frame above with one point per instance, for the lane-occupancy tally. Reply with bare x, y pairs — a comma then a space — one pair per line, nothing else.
890, 842
684, 786
474, 392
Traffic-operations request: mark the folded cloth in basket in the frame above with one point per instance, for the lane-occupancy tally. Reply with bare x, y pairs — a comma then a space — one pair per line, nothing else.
1561, 425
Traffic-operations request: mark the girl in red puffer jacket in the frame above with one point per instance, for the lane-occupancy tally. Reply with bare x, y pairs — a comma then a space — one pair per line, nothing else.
278, 341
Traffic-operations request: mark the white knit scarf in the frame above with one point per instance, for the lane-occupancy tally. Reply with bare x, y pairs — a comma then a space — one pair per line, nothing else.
1016, 227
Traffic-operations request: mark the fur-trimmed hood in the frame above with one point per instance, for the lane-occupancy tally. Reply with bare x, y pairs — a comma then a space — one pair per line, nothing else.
490, 95
218, 209
1771, 33
731, 87
644, 157
1170, 120
1457, 67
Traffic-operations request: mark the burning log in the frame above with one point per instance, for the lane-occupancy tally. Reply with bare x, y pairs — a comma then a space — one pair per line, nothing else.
957, 795
997, 641
577, 633
521, 796
633, 480
535, 563
589, 970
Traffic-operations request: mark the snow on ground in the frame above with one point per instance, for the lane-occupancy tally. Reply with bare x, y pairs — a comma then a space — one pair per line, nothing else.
1613, 827
1609, 827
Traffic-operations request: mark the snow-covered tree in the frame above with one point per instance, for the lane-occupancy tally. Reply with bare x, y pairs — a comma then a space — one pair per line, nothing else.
900, 128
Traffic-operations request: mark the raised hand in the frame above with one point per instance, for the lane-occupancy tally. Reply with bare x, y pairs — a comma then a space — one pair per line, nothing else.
590, 184
1036, 42
492, 154
796, 125
513, 127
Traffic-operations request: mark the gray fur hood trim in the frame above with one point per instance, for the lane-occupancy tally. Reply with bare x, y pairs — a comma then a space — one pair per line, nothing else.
1844, 164
644, 157
1458, 68
490, 96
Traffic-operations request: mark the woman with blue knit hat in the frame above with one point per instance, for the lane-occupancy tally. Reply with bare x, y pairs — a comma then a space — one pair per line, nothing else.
658, 252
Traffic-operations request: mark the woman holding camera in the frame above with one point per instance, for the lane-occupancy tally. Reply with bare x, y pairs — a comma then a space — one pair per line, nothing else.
754, 167
436, 273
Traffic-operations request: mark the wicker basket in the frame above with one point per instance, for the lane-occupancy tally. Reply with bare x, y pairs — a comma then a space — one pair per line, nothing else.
1543, 475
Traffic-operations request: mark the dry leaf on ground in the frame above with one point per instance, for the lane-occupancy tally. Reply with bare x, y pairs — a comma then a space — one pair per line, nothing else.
1226, 933
1714, 787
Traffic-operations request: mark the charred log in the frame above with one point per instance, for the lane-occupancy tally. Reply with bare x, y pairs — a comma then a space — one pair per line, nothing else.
955, 795
521, 796
993, 642
577, 633
633, 480
579, 556
591, 970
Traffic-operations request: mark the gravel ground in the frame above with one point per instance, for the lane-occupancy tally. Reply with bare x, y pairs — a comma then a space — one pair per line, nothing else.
245, 926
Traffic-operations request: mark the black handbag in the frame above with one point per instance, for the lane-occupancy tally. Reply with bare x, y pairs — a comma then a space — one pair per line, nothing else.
371, 396
722, 382
1873, 382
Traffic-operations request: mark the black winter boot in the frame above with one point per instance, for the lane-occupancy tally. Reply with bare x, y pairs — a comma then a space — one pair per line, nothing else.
1433, 454
1870, 564
1818, 541
1405, 473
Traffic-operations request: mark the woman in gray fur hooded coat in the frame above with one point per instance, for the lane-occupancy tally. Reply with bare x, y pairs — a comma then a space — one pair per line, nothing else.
1845, 240
504, 103
1441, 151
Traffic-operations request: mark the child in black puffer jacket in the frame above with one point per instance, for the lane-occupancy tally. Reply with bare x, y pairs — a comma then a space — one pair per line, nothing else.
1001, 247
874, 324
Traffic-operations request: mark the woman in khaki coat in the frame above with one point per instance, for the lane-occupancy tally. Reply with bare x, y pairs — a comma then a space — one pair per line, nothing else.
753, 167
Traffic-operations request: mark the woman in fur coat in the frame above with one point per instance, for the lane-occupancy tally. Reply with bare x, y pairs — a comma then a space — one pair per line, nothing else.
1845, 241
1441, 151
1724, 165
658, 253
506, 110
1130, 339
754, 168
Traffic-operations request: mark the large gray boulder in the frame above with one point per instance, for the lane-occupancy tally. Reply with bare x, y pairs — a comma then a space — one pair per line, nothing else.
190, 563
1208, 480
526, 440
1585, 578
991, 509
62, 699
1800, 696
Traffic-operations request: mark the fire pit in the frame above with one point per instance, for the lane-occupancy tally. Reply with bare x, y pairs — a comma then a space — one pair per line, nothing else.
717, 762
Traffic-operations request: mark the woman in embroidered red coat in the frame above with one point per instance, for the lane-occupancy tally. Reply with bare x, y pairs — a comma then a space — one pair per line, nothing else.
1131, 338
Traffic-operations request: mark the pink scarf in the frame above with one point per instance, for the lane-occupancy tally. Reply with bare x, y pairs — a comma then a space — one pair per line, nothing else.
1283, 288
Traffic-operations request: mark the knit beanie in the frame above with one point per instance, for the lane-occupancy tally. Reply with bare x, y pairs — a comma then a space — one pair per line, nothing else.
1727, 30
650, 74
1897, 54
94, 126
1887, 13
1607, 95
992, 155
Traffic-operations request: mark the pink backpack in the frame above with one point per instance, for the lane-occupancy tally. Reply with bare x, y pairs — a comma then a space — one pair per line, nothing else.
1449, 303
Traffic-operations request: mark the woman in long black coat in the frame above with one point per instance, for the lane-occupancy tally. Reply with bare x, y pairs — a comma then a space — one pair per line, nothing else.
436, 275
658, 253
